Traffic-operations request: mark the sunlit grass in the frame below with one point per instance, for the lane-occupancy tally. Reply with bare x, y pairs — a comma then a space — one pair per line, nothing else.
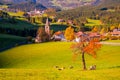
38, 74
38, 61
20, 14
47, 55
115, 41
92, 22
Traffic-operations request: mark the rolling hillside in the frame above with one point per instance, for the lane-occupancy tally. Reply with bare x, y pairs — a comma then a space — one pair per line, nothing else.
9, 41
70, 4
31, 61
33, 56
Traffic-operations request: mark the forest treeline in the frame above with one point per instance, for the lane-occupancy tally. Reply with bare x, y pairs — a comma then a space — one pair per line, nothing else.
108, 12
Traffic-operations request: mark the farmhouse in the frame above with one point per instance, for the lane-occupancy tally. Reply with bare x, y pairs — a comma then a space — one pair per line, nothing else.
35, 13
58, 36
94, 35
87, 36
116, 32
61, 20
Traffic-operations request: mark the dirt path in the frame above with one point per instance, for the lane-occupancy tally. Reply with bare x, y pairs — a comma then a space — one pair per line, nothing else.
111, 43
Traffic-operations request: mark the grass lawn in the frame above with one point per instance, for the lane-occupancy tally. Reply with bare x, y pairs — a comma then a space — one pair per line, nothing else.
92, 22
16, 14
20, 25
38, 61
8, 40
114, 41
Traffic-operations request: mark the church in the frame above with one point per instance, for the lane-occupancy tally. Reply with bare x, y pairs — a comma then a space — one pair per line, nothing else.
45, 35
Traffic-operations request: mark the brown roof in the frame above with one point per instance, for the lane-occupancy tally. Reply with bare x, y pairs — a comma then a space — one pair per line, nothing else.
94, 34
114, 33
58, 33
79, 33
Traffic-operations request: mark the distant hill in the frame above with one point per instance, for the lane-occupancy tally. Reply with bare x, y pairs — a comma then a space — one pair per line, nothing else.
107, 11
109, 2
70, 4
26, 6
62, 4
59, 4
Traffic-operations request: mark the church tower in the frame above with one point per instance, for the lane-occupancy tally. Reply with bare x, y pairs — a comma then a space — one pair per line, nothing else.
47, 27
44, 32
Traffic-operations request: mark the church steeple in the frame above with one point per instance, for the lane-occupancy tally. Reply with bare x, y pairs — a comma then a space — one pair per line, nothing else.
44, 32
47, 27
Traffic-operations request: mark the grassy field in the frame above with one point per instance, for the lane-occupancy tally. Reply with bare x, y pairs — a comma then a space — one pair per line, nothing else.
20, 14
92, 22
114, 41
38, 61
8, 40
20, 25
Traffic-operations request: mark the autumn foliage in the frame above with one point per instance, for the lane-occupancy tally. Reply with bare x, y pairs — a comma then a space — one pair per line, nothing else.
95, 29
69, 34
89, 47
42, 36
92, 47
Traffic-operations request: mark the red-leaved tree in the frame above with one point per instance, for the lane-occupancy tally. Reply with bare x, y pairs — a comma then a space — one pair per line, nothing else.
90, 47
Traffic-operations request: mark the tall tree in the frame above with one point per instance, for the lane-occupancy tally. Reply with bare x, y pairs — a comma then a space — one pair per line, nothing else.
119, 26
42, 36
95, 29
69, 34
84, 46
103, 30
112, 28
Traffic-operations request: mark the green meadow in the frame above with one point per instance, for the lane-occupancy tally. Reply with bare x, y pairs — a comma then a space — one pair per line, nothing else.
92, 22
38, 61
114, 41
20, 14
7, 40
21, 24
18, 25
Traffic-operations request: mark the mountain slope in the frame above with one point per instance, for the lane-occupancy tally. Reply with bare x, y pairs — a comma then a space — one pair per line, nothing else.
70, 4
107, 11
26, 6
63, 4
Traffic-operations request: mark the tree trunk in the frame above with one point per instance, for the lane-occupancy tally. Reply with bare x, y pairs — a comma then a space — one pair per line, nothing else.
83, 61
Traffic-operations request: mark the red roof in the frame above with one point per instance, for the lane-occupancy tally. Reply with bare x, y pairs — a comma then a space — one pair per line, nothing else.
58, 33
79, 33
114, 33
94, 34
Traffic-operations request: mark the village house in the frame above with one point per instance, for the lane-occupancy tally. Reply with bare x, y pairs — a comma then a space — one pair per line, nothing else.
86, 36
35, 13
70, 22
78, 35
116, 32
60, 20
58, 36
94, 35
